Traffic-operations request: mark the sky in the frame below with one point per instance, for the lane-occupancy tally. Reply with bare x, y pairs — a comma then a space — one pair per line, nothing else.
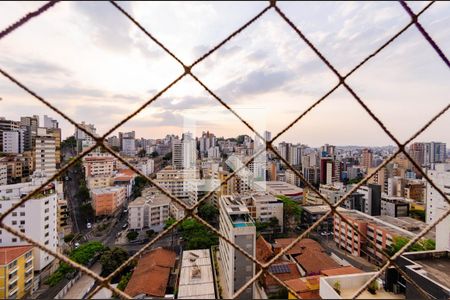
90, 61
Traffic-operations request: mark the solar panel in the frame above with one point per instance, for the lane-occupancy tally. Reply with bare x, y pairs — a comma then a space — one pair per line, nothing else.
278, 269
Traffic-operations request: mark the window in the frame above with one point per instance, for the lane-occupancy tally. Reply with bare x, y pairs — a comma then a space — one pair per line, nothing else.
14, 214
14, 222
22, 214
14, 240
22, 222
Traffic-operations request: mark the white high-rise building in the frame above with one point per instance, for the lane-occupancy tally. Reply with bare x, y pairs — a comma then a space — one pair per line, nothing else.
129, 146
45, 156
436, 204
13, 141
3, 174
184, 152
50, 123
37, 218
214, 152
238, 226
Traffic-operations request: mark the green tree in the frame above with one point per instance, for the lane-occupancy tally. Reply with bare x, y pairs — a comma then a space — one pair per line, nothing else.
132, 235
169, 222
168, 156
83, 192
139, 184
111, 259
124, 281
208, 212
292, 211
154, 154
69, 237
142, 153
115, 148
87, 211
70, 142
399, 242
196, 235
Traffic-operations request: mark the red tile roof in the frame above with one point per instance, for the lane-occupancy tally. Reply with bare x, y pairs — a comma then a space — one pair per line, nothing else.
264, 250
315, 261
299, 247
292, 274
151, 274
341, 271
9, 254
306, 287
128, 172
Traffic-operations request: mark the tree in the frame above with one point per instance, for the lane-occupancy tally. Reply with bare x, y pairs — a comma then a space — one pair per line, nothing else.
83, 192
168, 156
399, 242
292, 211
197, 235
69, 237
150, 233
154, 154
139, 183
70, 142
142, 153
124, 281
208, 212
111, 259
115, 148
169, 222
132, 235
87, 211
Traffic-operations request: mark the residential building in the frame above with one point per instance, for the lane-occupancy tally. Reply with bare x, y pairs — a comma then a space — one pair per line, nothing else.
50, 123
394, 206
13, 141
151, 210
282, 188
238, 226
440, 175
125, 178
16, 267
263, 206
291, 178
62, 221
108, 200
312, 213
36, 218
176, 211
196, 275
372, 198
3, 174
99, 166
366, 158
98, 181
152, 275
7, 125
428, 269
83, 137
176, 181
45, 157
326, 170
438, 152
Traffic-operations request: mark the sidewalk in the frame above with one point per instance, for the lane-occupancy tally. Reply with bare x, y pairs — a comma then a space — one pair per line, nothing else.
83, 285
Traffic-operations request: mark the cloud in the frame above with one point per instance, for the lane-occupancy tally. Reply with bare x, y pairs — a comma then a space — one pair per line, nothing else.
33, 66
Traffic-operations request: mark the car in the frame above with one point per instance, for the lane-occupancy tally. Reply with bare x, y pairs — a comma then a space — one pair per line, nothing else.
125, 211
77, 245
124, 226
88, 225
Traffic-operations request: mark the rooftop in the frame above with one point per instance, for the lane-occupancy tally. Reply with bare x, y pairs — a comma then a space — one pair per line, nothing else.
150, 199
9, 254
305, 287
151, 275
196, 276
409, 224
281, 188
316, 209
106, 190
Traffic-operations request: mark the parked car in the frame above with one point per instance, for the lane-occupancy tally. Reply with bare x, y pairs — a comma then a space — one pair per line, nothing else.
124, 226
77, 245
88, 225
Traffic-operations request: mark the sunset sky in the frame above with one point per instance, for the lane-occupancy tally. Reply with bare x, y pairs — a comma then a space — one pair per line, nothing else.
90, 61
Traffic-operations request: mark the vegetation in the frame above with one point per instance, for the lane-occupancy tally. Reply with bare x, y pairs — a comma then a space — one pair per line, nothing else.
400, 241
337, 286
82, 255
150, 233
272, 226
132, 235
83, 192
69, 237
169, 222
292, 211
139, 184
87, 211
115, 148
111, 259
208, 212
154, 154
168, 156
355, 180
142, 153
373, 287
124, 281
196, 235
70, 142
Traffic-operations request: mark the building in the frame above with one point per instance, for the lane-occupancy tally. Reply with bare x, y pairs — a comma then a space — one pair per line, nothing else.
184, 152
99, 181
13, 141
176, 181
366, 158
312, 213
263, 206
438, 152
151, 210
394, 206
99, 166
291, 178
326, 170
36, 218
62, 224
50, 123
372, 199
108, 200
428, 269
196, 276
238, 226
7, 125
282, 188
349, 284
45, 155
3, 174
440, 175
16, 267
125, 178
152, 275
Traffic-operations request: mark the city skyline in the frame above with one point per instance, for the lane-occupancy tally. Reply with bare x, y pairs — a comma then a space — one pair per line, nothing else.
109, 83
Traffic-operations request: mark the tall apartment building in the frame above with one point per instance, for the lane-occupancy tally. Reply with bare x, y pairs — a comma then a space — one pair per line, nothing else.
16, 267
150, 211
291, 178
263, 206
417, 152
13, 141
326, 170
3, 174
99, 166
108, 200
184, 152
83, 139
45, 155
366, 158
7, 125
372, 198
36, 218
438, 152
237, 225
206, 141
436, 204
176, 181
